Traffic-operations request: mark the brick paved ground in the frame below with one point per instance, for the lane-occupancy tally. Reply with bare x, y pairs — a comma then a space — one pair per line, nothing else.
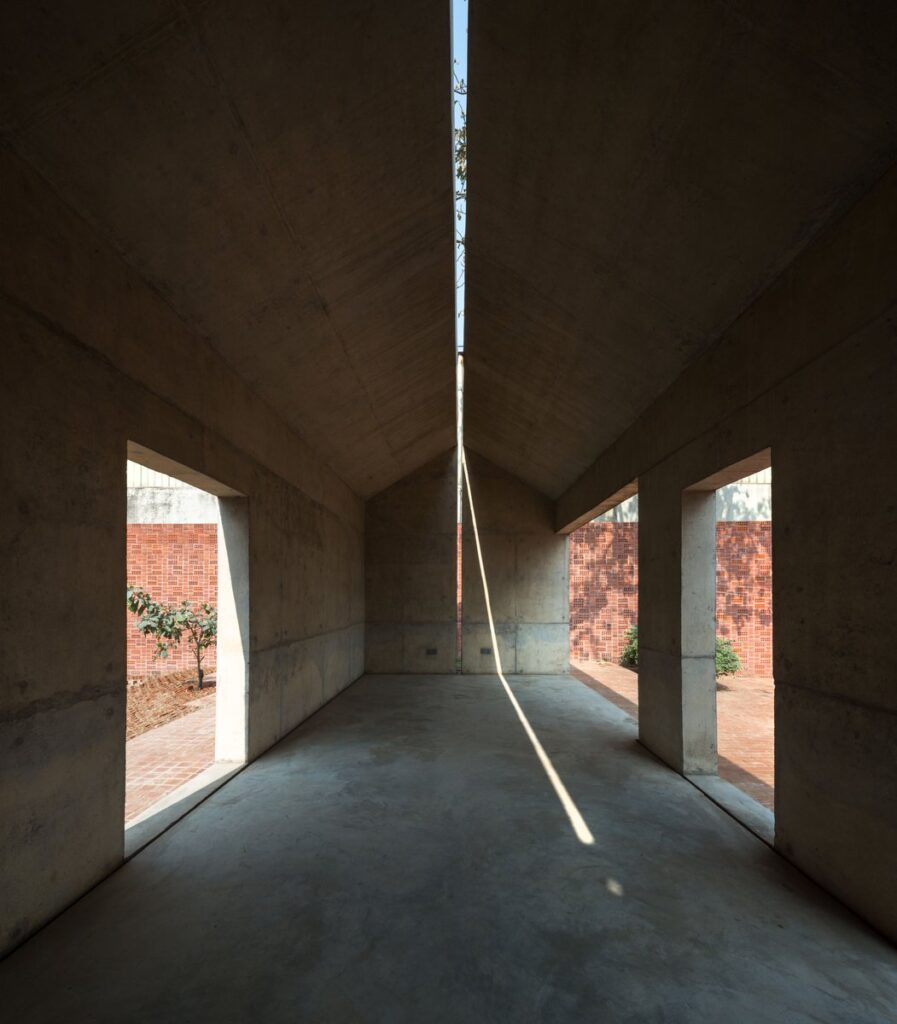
744, 707
159, 761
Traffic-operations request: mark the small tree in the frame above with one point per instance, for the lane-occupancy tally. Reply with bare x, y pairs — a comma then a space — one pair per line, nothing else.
168, 623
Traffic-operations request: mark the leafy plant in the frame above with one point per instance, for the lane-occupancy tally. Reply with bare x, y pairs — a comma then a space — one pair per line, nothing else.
727, 661
459, 142
170, 623
460, 137
630, 651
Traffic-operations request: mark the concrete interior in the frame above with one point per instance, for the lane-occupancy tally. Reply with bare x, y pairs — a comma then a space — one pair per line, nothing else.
76, 389
227, 243
425, 834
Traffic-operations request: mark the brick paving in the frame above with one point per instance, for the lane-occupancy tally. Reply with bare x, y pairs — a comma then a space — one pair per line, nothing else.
744, 708
159, 761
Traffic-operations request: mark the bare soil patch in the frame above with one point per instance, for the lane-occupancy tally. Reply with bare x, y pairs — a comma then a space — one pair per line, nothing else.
155, 700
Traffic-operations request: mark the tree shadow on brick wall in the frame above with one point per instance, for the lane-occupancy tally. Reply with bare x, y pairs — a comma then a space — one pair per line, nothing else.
744, 585
603, 588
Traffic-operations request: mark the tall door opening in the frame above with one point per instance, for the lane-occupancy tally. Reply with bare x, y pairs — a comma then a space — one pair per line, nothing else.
603, 581
187, 615
744, 684
728, 716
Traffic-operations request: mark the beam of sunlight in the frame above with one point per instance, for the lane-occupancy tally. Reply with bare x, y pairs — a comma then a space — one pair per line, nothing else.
580, 828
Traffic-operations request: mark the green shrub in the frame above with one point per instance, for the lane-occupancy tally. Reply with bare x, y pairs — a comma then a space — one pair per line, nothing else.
630, 651
727, 661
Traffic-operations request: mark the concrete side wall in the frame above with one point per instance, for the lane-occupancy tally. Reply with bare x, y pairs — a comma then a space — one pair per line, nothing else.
92, 358
526, 569
809, 370
410, 574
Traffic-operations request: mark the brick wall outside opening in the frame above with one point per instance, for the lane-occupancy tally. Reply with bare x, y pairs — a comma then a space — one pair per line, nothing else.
174, 562
604, 590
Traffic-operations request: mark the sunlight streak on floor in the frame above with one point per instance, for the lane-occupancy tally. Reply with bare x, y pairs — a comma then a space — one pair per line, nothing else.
580, 828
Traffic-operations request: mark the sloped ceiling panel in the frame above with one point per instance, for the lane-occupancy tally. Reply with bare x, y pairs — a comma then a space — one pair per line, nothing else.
639, 173
280, 173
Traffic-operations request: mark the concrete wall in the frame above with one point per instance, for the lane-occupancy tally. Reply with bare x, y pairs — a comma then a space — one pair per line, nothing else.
526, 569
93, 358
810, 371
410, 574
171, 505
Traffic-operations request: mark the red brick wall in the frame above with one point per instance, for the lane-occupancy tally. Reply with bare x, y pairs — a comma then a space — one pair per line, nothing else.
744, 592
604, 590
174, 562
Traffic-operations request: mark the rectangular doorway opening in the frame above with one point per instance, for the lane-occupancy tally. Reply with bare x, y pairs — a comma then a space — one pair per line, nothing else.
744, 683
728, 687
187, 639
603, 581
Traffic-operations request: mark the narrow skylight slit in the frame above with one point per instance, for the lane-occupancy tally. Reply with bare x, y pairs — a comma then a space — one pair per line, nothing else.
459, 139
459, 177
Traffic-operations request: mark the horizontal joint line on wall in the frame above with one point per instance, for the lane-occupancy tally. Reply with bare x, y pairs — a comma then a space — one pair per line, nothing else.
302, 639
70, 698
838, 698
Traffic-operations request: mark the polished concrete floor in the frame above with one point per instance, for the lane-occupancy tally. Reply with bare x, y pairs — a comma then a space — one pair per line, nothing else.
745, 715
402, 857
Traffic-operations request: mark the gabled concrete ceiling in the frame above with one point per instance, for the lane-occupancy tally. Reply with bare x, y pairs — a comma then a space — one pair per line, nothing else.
280, 173
639, 172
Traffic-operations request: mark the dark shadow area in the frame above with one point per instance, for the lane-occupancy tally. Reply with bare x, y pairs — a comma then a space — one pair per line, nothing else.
617, 699
755, 788
142, 833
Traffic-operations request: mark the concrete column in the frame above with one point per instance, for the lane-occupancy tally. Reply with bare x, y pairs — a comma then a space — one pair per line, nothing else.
677, 688
659, 681
231, 726
698, 632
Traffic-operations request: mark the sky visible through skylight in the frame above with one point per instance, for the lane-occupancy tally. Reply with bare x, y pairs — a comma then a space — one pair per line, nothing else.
459, 116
